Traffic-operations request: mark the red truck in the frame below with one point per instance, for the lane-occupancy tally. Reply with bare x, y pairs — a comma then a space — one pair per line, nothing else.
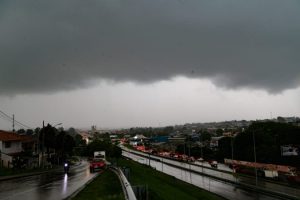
97, 164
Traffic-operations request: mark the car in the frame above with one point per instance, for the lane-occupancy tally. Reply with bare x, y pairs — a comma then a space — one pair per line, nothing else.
213, 164
97, 164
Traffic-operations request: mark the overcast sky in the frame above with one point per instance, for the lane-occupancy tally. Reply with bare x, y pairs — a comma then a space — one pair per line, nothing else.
123, 63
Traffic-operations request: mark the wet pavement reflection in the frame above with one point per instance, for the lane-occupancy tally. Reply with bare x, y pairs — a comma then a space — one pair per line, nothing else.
228, 191
50, 186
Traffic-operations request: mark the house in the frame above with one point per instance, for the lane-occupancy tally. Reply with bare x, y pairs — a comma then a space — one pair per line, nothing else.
86, 136
214, 142
177, 138
12, 145
138, 140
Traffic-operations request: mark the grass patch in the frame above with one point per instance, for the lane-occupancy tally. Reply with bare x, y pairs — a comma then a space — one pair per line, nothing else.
162, 186
106, 186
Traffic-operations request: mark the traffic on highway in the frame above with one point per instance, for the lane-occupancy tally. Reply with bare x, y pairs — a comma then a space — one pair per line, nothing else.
221, 182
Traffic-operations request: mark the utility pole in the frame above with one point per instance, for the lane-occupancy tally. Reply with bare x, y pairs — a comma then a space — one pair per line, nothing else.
254, 151
13, 123
232, 157
190, 161
43, 143
231, 147
38, 147
162, 164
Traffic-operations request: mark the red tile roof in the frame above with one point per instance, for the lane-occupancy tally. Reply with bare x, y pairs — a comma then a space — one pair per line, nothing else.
10, 136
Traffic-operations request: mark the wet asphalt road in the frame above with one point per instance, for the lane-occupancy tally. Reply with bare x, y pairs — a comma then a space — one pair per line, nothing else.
51, 186
226, 190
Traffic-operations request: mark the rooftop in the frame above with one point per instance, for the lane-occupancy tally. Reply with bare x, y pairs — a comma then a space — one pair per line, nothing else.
10, 136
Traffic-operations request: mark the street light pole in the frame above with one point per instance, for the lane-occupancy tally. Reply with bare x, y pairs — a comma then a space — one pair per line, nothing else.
162, 164
190, 161
232, 157
43, 143
254, 151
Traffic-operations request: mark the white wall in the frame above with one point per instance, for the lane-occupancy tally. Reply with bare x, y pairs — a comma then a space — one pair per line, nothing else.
6, 160
15, 147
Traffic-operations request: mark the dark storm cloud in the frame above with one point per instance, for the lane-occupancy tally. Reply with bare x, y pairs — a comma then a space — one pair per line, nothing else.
58, 45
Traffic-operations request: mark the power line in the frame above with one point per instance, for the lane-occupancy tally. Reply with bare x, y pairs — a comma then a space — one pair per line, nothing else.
7, 117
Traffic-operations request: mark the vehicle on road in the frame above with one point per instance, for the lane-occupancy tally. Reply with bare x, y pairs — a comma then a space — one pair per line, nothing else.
97, 164
66, 167
266, 170
213, 164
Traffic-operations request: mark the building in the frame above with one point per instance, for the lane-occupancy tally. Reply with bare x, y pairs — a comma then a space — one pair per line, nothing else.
214, 142
12, 145
138, 140
86, 137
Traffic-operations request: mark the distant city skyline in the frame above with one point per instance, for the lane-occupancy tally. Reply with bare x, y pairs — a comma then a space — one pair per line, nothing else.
179, 101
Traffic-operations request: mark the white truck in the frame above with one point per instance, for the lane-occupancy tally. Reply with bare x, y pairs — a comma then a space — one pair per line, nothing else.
99, 154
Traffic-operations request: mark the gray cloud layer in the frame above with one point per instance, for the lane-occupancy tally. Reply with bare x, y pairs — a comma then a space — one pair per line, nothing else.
57, 45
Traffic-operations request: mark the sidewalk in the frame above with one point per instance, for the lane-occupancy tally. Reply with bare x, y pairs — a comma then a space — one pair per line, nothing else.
55, 168
3, 178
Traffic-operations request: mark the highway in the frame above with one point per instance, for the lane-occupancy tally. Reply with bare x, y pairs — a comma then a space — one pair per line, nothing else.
50, 186
227, 190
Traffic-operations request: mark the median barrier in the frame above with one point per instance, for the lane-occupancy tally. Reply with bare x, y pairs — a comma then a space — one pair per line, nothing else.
127, 189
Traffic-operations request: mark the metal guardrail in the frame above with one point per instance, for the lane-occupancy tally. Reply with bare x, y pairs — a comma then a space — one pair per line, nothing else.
128, 191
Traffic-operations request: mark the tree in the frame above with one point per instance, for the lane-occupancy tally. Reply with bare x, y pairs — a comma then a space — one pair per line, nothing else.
224, 148
97, 145
21, 131
69, 144
168, 129
64, 144
112, 151
205, 136
79, 142
269, 137
72, 131
219, 132
48, 137
115, 152
29, 132
37, 130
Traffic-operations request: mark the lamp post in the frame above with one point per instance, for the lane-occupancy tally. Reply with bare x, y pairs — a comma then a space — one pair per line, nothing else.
254, 151
233, 171
189, 160
162, 164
